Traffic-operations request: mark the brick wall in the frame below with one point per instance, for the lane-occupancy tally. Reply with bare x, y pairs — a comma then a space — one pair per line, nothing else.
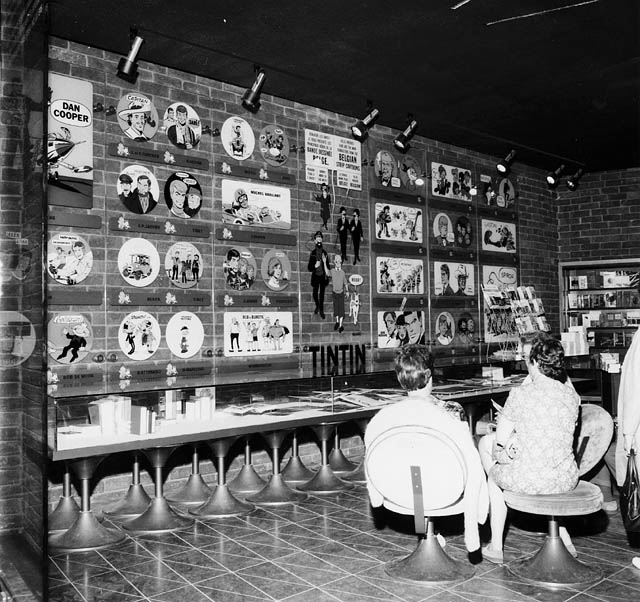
601, 220
22, 441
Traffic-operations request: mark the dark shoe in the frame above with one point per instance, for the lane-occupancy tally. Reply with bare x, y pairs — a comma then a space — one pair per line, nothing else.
341, 329
335, 326
316, 310
354, 261
322, 315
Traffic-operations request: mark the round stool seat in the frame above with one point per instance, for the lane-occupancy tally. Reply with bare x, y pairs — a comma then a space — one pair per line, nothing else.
584, 499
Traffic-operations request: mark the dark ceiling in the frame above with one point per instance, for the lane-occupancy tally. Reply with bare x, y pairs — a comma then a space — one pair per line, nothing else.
557, 80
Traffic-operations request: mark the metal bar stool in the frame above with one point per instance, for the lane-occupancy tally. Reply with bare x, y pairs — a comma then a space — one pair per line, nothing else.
135, 501
159, 517
325, 481
338, 461
276, 492
221, 502
86, 534
195, 490
295, 471
247, 480
67, 509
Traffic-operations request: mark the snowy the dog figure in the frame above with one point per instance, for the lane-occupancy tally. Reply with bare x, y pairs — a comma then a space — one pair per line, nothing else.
354, 306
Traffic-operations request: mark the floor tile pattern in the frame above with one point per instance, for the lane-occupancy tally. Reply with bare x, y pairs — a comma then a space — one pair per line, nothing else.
326, 549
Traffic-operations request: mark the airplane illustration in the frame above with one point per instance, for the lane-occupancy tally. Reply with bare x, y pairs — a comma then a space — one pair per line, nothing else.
59, 147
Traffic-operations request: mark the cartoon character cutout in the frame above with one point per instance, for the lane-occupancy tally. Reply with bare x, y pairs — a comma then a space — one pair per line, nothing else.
138, 189
183, 265
386, 169
69, 258
443, 235
184, 334
139, 335
237, 138
239, 268
274, 145
183, 195
444, 329
276, 270
69, 338
137, 117
183, 125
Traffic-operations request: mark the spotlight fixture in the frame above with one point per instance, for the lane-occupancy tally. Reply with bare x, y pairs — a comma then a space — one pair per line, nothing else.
504, 165
552, 176
360, 129
127, 67
401, 141
572, 181
98, 107
251, 98
110, 110
473, 191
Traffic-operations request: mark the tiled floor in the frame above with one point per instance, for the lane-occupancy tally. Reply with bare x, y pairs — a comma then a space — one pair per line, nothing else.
325, 549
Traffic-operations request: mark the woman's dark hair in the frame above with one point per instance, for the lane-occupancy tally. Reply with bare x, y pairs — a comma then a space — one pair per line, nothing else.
413, 366
549, 354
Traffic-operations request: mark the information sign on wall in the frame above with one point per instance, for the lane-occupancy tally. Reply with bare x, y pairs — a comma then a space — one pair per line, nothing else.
326, 152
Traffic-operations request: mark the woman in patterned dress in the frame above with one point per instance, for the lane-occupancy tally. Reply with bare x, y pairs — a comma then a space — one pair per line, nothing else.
532, 449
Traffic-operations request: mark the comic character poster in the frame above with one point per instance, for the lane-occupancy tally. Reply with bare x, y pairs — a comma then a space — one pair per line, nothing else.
70, 142
498, 236
273, 143
183, 264
138, 189
252, 333
276, 270
464, 235
69, 258
410, 171
324, 198
250, 204
507, 193
399, 328
442, 229
386, 169
17, 338
139, 335
452, 278
400, 276
398, 223
451, 182
183, 195
184, 334
465, 330
239, 268
183, 125
138, 262
69, 337
444, 329
237, 137
137, 117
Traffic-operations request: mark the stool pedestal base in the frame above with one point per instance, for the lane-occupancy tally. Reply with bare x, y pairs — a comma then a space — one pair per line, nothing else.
85, 535
554, 567
429, 563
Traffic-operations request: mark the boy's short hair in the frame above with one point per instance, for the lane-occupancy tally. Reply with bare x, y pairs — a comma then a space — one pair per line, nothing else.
414, 366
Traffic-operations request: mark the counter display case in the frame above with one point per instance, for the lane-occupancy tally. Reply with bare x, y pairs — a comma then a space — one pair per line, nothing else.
602, 300
89, 425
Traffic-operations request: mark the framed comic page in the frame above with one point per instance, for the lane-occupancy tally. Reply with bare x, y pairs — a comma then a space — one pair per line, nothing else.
398, 223
451, 182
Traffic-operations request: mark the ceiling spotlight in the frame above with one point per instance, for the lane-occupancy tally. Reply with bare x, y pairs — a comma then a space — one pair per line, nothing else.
251, 98
553, 176
127, 67
505, 164
473, 191
420, 180
401, 141
572, 181
360, 129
